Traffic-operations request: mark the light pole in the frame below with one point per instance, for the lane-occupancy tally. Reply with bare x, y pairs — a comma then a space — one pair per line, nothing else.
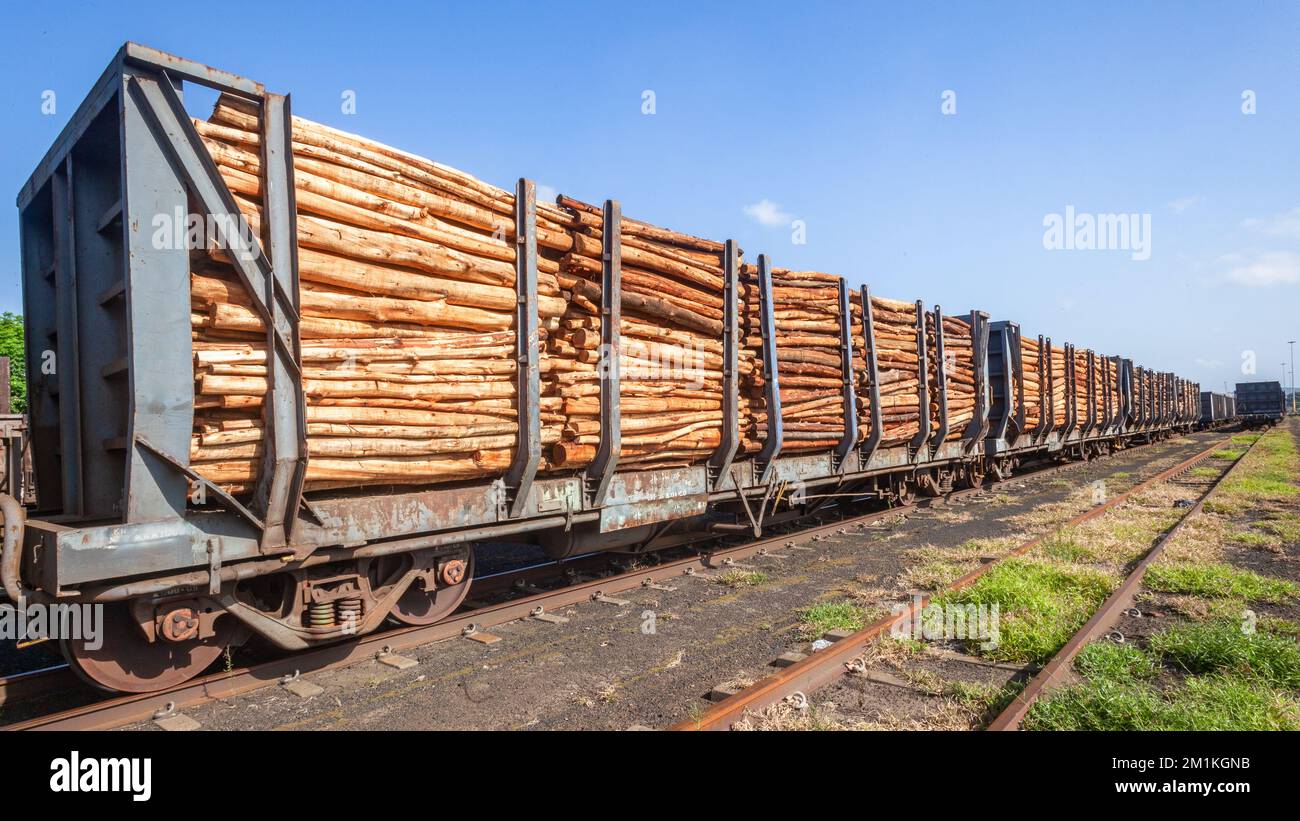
1292, 344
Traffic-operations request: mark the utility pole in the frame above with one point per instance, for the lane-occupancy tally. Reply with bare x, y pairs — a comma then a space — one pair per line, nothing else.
1292, 344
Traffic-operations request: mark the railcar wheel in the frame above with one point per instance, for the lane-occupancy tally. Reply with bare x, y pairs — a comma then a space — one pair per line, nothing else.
126, 661
902, 492
420, 605
973, 476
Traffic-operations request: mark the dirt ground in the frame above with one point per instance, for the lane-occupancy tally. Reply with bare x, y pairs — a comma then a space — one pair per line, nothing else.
652, 661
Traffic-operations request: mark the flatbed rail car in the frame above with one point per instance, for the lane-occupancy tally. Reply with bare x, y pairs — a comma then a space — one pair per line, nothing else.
186, 569
1217, 410
1260, 403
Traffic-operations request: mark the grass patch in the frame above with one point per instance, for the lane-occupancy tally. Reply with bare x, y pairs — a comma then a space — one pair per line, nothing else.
1218, 580
1118, 694
1228, 454
1116, 662
825, 616
1203, 473
1286, 526
1258, 541
933, 574
1123, 474
743, 578
1204, 703
1224, 647
1040, 605
1279, 626
1064, 548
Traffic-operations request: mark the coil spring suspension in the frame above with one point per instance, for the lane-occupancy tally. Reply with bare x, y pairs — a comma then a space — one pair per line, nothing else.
348, 612
320, 614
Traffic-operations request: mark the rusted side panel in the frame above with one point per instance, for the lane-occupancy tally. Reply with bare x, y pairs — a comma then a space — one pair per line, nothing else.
646, 497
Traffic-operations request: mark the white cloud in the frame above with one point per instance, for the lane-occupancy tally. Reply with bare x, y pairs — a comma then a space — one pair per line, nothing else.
546, 193
1183, 203
766, 212
1286, 224
1207, 363
1262, 270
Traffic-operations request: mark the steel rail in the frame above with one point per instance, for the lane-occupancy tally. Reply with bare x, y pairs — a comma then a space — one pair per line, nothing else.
24, 686
1120, 600
824, 667
117, 711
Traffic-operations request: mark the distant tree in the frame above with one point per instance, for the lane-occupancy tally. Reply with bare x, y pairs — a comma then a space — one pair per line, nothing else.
11, 345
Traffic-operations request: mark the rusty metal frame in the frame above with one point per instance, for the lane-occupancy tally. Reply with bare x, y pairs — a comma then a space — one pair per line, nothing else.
941, 383
272, 292
766, 457
873, 377
719, 463
528, 439
278, 492
850, 437
1009, 425
978, 426
602, 467
1090, 422
922, 388
1018, 380
1046, 391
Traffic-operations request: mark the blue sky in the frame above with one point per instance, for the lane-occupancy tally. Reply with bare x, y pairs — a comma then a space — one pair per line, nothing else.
825, 113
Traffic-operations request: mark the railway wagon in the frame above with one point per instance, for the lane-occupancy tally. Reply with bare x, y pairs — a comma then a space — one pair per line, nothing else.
187, 565
1260, 403
1217, 409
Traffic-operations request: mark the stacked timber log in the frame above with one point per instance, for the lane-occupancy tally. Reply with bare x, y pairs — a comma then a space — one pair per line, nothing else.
1058, 360
806, 313
898, 366
1080, 387
959, 375
407, 300
1101, 398
671, 350
1033, 380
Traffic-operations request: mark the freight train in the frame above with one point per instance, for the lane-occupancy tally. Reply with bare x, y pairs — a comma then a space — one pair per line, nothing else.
186, 566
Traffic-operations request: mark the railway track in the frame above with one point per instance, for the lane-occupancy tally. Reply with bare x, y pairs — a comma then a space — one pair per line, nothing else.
827, 666
126, 709
1057, 668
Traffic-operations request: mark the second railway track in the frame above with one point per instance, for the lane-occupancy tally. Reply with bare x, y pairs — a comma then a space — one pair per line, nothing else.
798, 681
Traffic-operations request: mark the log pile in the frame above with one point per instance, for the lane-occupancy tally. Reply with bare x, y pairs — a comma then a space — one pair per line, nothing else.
407, 292
1033, 381
1058, 360
1080, 388
671, 352
1100, 373
959, 376
898, 366
807, 317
